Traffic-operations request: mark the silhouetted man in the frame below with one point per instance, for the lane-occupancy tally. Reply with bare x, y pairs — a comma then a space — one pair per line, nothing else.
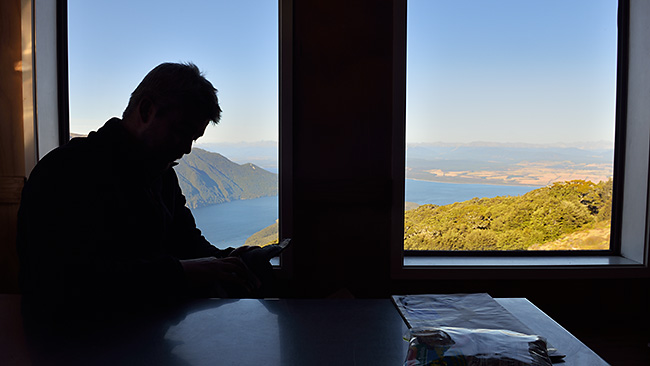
103, 223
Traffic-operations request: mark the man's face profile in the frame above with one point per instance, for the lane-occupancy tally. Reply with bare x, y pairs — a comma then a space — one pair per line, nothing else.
169, 133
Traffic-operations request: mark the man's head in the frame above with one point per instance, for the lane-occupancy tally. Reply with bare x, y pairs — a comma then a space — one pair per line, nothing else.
170, 109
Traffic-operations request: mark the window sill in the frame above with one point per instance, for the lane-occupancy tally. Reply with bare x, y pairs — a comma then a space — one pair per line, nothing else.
518, 268
438, 261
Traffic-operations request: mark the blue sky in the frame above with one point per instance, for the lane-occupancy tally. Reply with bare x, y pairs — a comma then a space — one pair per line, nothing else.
114, 43
539, 71
536, 71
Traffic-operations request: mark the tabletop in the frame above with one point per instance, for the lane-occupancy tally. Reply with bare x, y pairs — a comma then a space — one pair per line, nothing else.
576, 352
253, 332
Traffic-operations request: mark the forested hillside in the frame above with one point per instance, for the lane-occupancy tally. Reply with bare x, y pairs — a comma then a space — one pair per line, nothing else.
266, 236
523, 222
207, 178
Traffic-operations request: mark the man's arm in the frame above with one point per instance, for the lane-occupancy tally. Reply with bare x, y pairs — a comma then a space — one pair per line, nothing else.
205, 265
189, 243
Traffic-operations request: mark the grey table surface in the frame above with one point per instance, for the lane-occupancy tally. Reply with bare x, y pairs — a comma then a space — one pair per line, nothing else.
257, 332
576, 352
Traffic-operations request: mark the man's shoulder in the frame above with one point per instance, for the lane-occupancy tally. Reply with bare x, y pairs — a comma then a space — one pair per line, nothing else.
80, 151
96, 145
80, 155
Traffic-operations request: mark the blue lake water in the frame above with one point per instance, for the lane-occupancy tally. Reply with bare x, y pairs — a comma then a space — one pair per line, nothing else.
231, 223
423, 192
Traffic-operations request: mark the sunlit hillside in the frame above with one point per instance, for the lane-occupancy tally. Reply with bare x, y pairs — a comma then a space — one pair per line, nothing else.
551, 214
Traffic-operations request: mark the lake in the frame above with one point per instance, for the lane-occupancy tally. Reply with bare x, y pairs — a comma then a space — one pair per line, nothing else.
423, 192
231, 223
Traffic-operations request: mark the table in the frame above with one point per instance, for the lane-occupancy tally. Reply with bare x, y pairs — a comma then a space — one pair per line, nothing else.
576, 352
256, 332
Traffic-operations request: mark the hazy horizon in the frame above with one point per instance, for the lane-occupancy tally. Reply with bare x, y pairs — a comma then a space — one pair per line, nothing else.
505, 70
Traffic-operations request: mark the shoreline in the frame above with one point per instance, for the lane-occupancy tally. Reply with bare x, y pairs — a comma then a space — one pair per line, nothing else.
479, 183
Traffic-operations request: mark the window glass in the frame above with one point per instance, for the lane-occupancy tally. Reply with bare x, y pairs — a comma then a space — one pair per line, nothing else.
510, 124
230, 179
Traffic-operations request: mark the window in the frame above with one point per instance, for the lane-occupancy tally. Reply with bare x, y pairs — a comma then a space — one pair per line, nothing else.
230, 179
510, 125
630, 260
629, 213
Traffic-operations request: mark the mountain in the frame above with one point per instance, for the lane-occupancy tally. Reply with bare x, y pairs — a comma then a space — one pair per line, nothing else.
509, 164
501, 153
207, 178
260, 153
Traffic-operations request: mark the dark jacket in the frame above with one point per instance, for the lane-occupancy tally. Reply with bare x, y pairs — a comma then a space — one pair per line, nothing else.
97, 227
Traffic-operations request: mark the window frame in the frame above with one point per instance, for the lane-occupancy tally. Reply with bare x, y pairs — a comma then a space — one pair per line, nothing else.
285, 135
627, 256
632, 261
44, 94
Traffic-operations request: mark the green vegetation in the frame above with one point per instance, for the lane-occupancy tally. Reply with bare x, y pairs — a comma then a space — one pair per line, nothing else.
573, 215
523, 222
266, 236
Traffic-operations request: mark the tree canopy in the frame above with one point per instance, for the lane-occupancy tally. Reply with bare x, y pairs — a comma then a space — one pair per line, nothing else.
510, 222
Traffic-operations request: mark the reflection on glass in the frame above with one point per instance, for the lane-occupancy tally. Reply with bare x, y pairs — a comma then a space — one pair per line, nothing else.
25, 66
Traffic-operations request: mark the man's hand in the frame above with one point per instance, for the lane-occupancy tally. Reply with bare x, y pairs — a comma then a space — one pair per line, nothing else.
241, 250
231, 271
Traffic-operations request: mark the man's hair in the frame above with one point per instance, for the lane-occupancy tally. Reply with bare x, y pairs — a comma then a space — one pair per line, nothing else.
178, 86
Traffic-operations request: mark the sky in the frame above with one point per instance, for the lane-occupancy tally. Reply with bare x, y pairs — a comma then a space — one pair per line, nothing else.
114, 43
533, 71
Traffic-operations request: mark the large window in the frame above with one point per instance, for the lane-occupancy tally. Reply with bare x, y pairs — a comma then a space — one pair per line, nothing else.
511, 110
230, 179
628, 254
630, 171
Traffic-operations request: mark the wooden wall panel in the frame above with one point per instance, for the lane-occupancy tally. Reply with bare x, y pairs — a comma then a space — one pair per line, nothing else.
12, 153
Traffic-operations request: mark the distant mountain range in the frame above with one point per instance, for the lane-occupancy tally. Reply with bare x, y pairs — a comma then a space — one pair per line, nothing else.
249, 171
475, 162
509, 164
208, 178
501, 153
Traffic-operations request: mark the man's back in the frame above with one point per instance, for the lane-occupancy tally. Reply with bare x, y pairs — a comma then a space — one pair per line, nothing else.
103, 225
96, 225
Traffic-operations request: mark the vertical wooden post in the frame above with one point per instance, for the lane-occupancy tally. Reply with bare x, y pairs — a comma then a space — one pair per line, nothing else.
12, 150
